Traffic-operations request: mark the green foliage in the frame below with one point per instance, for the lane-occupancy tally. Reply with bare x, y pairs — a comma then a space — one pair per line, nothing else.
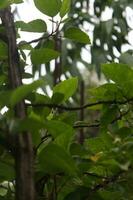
5, 3
122, 75
65, 7
43, 55
77, 35
81, 151
22, 91
3, 50
50, 8
54, 159
66, 89
37, 25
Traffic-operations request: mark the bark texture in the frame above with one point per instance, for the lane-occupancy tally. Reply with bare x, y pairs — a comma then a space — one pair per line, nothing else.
23, 142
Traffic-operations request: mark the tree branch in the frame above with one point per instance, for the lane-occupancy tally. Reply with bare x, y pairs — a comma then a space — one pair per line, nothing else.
106, 181
95, 125
44, 37
62, 107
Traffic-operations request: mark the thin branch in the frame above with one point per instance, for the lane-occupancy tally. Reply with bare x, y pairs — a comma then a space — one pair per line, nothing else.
62, 107
42, 141
94, 125
106, 181
86, 125
95, 175
42, 37
36, 40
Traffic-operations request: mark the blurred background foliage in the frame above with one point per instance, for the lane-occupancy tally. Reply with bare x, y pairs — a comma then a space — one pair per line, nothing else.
109, 24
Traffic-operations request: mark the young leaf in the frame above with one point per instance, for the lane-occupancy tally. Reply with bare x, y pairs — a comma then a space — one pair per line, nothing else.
43, 55
22, 91
55, 159
65, 7
37, 25
67, 88
77, 35
48, 7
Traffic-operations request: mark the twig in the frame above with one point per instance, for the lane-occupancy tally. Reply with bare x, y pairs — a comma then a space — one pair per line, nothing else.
95, 175
42, 37
42, 141
86, 125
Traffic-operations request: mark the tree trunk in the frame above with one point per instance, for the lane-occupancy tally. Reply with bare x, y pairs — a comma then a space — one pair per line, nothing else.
23, 142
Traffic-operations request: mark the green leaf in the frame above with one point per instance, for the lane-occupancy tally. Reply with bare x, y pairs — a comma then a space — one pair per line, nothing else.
22, 91
106, 92
17, 1
62, 132
109, 114
54, 159
3, 191
50, 8
109, 195
3, 51
6, 171
27, 124
5, 98
67, 88
43, 55
95, 144
124, 132
121, 74
78, 149
65, 7
6, 3
77, 35
37, 25
80, 193
99, 144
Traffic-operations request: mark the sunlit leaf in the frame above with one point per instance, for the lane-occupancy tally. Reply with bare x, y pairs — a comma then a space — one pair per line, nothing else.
37, 25
65, 7
43, 55
50, 8
67, 88
77, 35
121, 74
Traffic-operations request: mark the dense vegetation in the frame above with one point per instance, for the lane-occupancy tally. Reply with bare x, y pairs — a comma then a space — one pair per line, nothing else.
78, 142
